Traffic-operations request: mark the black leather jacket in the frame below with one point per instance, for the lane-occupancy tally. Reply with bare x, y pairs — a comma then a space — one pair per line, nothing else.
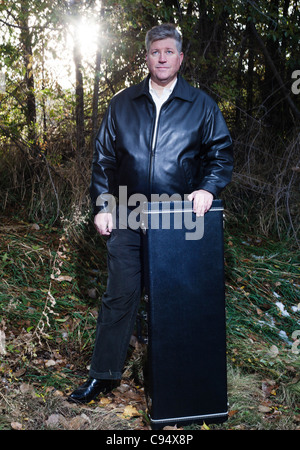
193, 148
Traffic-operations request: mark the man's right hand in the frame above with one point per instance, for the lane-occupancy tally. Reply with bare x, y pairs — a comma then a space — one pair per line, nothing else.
103, 223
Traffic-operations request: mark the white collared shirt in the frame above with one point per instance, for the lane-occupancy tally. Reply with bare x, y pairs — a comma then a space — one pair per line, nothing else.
159, 100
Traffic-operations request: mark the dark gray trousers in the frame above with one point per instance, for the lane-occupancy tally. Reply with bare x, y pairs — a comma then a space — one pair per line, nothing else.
120, 304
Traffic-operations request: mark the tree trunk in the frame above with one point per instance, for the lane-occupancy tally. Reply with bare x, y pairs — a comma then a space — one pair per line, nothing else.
250, 74
239, 83
25, 37
95, 104
79, 99
96, 97
272, 66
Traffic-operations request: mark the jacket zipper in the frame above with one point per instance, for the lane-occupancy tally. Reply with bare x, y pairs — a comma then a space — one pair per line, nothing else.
153, 144
152, 149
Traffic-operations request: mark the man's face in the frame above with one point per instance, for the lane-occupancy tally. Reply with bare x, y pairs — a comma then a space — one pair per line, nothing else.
164, 60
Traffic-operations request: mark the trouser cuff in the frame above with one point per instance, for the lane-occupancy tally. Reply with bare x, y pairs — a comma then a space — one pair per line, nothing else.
105, 375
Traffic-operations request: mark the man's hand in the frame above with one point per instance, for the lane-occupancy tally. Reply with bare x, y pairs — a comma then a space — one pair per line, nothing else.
202, 201
103, 223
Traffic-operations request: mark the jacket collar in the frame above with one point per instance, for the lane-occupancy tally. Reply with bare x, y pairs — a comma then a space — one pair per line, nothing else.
182, 89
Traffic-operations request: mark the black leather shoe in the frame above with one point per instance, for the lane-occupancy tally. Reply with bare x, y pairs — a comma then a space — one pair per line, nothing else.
91, 389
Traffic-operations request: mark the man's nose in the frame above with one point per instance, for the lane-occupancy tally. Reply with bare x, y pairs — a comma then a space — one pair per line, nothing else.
162, 57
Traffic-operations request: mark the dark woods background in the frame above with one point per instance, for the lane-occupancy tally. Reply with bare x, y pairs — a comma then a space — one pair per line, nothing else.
60, 63
244, 53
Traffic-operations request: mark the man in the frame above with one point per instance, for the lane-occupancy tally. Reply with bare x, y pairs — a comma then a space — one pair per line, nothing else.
161, 136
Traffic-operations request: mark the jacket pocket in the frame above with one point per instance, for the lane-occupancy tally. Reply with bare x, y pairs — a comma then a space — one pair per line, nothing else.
188, 174
193, 172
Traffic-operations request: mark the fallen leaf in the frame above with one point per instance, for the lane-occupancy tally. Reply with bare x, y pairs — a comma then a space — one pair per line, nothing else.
264, 409
19, 372
55, 419
26, 388
92, 293
58, 394
122, 388
204, 426
130, 411
16, 425
267, 387
61, 278
77, 422
30, 289
104, 401
50, 363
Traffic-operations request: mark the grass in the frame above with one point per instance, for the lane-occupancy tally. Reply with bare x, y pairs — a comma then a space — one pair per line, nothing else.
51, 283
263, 299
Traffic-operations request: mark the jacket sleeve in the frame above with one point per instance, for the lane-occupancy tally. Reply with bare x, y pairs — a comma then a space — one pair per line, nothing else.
218, 153
102, 186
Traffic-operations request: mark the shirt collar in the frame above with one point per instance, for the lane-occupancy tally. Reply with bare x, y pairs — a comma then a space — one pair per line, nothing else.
181, 90
167, 91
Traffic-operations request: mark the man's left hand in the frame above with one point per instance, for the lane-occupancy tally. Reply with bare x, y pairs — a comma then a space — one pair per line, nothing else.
202, 201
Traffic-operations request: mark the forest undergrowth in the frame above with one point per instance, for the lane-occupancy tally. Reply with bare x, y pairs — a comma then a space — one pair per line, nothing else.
52, 263
52, 278
53, 274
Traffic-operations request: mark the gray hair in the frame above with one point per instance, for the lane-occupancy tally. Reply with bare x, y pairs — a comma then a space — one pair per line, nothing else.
164, 31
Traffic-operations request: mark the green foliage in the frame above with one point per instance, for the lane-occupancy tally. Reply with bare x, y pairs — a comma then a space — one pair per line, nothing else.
239, 51
216, 44
51, 283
